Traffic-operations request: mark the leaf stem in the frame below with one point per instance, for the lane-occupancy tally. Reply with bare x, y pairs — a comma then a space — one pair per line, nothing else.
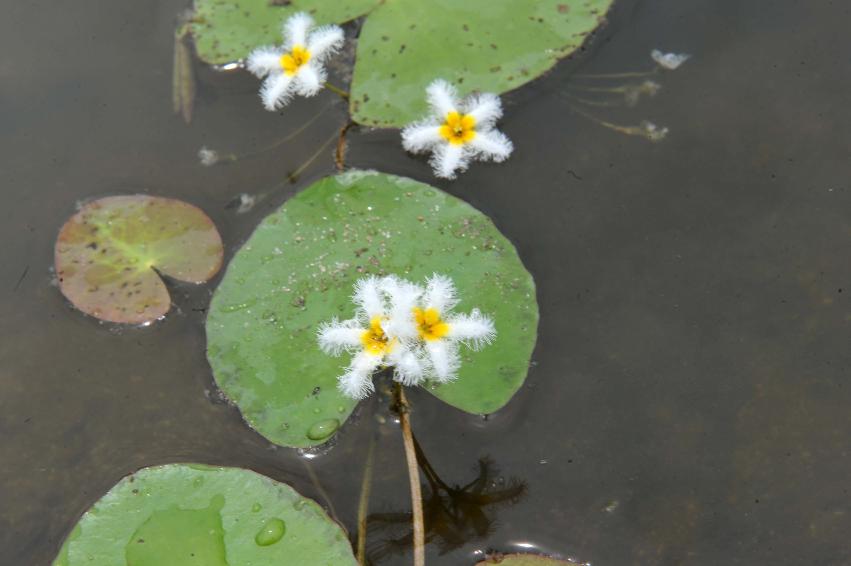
293, 177
363, 504
413, 475
314, 479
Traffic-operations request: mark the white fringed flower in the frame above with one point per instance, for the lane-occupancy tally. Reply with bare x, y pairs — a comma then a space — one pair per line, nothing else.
441, 331
669, 61
370, 337
296, 67
458, 132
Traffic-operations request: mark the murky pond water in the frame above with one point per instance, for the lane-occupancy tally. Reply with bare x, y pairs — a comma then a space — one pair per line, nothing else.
689, 398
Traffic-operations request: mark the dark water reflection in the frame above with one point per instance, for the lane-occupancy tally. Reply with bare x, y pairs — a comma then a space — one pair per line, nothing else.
689, 401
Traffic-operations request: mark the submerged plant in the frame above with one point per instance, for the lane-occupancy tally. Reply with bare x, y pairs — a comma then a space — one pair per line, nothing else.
459, 131
669, 61
404, 326
296, 67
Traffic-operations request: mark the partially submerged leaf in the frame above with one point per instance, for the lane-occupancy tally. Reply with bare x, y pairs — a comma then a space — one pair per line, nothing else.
108, 255
194, 515
524, 560
183, 77
480, 45
297, 271
226, 30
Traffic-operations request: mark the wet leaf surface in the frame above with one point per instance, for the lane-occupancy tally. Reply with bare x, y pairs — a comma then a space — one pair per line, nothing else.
298, 268
193, 515
484, 45
109, 256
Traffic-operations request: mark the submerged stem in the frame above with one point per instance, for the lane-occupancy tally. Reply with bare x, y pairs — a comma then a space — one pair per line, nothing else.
293, 177
413, 475
314, 479
363, 504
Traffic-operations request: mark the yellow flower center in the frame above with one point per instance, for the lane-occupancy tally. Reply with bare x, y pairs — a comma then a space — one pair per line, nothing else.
292, 61
458, 128
429, 324
374, 340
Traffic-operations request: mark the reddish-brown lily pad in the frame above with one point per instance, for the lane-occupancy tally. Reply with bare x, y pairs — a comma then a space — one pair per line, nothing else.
109, 256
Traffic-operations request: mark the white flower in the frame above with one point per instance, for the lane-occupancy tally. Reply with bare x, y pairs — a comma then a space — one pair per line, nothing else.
458, 132
441, 331
296, 67
370, 337
208, 157
669, 61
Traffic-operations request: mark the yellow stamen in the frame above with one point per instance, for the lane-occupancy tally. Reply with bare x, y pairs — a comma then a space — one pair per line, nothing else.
429, 324
374, 340
458, 129
292, 61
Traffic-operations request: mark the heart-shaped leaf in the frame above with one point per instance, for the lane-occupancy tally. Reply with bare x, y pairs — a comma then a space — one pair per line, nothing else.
484, 45
297, 271
194, 515
108, 255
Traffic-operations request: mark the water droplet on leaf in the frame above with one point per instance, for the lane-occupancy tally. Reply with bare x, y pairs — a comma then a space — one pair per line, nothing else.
323, 429
271, 532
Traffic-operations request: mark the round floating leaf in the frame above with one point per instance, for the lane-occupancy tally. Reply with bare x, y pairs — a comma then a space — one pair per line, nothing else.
298, 268
485, 45
524, 560
194, 515
108, 255
227, 30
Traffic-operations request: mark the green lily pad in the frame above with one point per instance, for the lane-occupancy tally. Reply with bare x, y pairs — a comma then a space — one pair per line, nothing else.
227, 30
524, 560
194, 515
109, 255
298, 268
484, 45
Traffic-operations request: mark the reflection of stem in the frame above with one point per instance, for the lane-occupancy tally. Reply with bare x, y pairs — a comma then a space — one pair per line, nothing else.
413, 475
337, 90
363, 504
646, 130
321, 490
429, 472
293, 177
340, 156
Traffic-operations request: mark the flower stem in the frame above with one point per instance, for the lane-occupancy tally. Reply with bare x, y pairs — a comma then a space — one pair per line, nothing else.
293, 177
413, 474
363, 504
337, 90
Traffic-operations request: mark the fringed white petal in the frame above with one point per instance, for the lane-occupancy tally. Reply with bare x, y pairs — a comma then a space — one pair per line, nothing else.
335, 337
491, 145
357, 381
403, 297
295, 30
442, 97
264, 60
324, 42
368, 297
408, 367
444, 360
485, 108
440, 294
276, 91
309, 79
669, 61
474, 329
448, 160
421, 136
